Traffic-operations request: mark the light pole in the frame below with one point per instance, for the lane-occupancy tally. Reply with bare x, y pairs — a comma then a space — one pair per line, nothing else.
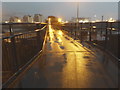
77, 11
101, 26
77, 21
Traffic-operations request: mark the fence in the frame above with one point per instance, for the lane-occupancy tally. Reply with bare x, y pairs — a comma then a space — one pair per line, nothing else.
104, 34
18, 50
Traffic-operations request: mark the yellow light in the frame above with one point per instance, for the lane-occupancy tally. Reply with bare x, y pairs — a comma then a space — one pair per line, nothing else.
86, 21
37, 30
51, 34
81, 21
94, 26
6, 21
113, 29
93, 21
59, 20
66, 21
59, 39
37, 22
7, 40
97, 20
111, 20
19, 20
49, 19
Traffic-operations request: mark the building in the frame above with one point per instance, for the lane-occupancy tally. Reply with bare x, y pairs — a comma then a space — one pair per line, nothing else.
28, 19
81, 20
38, 18
15, 19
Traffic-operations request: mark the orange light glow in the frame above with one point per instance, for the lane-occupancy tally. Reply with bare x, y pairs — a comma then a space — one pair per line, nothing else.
19, 20
59, 20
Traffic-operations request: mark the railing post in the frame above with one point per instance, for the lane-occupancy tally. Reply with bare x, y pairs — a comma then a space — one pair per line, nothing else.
90, 32
119, 39
71, 28
14, 54
101, 32
81, 33
10, 29
13, 49
38, 40
110, 28
75, 30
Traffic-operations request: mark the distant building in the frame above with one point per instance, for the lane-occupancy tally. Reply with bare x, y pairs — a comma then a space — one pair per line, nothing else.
15, 19
82, 19
28, 19
38, 18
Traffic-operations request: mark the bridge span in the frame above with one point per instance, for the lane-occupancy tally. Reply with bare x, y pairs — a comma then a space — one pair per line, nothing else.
65, 63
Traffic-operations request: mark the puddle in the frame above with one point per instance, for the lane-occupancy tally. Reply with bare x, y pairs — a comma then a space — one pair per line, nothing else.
62, 47
86, 57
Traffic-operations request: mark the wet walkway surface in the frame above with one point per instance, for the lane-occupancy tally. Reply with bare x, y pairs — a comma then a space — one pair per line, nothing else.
67, 64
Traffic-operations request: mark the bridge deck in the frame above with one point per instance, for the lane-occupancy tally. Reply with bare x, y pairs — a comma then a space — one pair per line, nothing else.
67, 64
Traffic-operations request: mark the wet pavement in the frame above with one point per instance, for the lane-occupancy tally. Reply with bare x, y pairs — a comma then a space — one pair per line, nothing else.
65, 63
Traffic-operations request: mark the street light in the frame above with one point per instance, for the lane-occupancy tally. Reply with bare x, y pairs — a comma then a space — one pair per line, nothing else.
77, 21
19, 21
6, 21
49, 21
59, 19
111, 20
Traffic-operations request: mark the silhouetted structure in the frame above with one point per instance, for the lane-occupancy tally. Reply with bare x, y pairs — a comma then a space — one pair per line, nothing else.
28, 19
38, 18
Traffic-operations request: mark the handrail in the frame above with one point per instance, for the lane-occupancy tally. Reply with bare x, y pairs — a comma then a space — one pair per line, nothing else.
27, 64
106, 30
14, 76
19, 23
41, 28
24, 33
36, 44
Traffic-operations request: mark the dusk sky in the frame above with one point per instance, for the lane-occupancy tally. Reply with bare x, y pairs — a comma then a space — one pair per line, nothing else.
65, 10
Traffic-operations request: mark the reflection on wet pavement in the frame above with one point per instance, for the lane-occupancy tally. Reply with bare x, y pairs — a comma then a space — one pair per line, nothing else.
66, 64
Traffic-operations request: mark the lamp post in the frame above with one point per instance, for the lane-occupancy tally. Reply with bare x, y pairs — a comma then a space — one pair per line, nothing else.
77, 21
101, 26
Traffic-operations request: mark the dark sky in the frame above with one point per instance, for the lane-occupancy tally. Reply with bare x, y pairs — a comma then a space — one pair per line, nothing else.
65, 10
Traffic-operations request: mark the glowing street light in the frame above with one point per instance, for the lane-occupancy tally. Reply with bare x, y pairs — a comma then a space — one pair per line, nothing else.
77, 21
19, 20
59, 20
49, 21
111, 20
6, 21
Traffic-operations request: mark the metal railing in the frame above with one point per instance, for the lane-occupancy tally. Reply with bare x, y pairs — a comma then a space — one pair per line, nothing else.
103, 34
18, 50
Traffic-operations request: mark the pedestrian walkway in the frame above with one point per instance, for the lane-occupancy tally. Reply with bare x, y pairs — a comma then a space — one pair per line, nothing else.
65, 63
